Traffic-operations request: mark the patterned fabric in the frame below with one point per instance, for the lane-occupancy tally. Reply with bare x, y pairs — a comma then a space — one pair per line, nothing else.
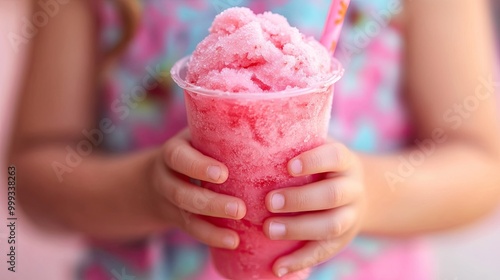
147, 108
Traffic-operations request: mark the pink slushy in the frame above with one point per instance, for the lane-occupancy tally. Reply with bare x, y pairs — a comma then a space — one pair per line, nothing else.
258, 93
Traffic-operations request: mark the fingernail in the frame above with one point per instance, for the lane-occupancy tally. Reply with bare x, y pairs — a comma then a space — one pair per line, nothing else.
276, 230
296, 166
282, 272
277, 201
231, 209
228, 241
214, 172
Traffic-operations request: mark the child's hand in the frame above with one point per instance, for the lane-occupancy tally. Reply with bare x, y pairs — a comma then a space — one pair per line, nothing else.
329, 212
178, 201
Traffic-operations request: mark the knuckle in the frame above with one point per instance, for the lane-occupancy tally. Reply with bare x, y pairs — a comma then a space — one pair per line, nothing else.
305, 263
320, 254
317, 256
313, 160
300, 200
211, 208
193, 168
208, 194
173, 154
177, 159
341, 155
327, 248
199, 201
333, 229
335, 194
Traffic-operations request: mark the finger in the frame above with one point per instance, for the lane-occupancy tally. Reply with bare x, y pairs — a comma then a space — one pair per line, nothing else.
207, 233
180, 156
321, 195
314, 226
201, 201
311, 254
330, 157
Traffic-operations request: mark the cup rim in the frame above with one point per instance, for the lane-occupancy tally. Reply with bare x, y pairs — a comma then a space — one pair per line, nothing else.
337, 73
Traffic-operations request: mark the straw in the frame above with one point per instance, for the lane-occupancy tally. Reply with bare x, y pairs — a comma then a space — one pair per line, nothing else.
334, 23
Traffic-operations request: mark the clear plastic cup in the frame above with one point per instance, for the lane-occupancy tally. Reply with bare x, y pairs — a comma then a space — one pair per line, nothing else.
255, 135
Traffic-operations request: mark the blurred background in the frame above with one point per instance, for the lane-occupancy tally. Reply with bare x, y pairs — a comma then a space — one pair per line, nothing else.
470, 253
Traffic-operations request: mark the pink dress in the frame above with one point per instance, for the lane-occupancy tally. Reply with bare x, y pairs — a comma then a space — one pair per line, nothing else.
367, 115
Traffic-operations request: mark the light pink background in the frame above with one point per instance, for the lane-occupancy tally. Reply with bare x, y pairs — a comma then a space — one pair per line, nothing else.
466, 254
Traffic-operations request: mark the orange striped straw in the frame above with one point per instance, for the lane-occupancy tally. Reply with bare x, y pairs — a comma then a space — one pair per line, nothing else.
334, 23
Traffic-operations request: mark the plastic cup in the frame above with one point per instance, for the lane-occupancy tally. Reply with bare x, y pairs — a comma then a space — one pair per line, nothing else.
255, 135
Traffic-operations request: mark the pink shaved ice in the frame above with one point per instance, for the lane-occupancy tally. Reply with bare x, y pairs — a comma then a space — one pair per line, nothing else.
245, 52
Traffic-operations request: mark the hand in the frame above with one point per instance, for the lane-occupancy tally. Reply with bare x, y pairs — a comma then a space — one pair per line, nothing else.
329, 212
180, 202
